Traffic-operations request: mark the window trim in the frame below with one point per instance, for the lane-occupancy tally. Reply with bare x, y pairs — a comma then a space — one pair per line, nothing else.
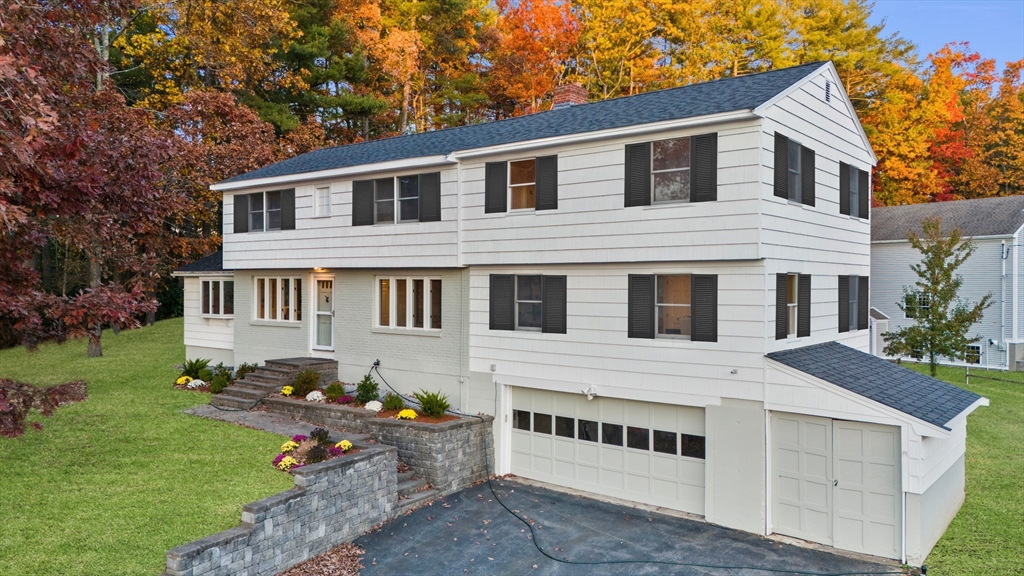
410, 304
221, 281
317, 212
509, 185
657, 316
294, 312
689, 168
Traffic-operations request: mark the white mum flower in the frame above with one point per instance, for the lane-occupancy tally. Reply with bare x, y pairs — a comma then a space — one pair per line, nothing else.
374, 405
195, 384
315, 396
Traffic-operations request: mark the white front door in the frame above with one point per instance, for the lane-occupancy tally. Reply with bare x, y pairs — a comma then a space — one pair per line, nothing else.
323, 325
837, 482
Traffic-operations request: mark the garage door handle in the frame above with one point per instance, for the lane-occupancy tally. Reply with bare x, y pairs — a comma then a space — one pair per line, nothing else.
835, 482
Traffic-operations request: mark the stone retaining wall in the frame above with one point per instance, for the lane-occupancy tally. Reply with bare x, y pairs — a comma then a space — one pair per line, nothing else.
332, 502
450, 455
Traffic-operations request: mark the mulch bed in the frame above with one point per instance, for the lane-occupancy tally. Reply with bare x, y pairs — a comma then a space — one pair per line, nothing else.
342, 560
204, 388
420, 417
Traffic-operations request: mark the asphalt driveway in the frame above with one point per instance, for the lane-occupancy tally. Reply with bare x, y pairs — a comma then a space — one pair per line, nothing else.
470, 533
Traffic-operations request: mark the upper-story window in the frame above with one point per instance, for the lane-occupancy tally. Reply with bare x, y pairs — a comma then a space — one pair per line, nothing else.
264, 211
794, 171
792, 306
412, 198
854, 191
681, 306
322, 201
923, 300
277, 299
526, 184
673, 170
409, 303
528, 302
853, 303
217, 298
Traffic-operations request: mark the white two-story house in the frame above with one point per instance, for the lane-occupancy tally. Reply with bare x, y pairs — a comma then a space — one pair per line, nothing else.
662, 298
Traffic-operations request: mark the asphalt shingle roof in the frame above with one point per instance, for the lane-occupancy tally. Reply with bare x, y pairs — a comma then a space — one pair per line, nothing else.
981, 217
719, 96
910, 392
212, 263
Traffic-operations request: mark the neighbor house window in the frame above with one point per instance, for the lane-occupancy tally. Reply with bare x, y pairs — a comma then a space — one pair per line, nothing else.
217, 298
673, 306
522, 183
322, 201
670, 170
278, 299
973, 355
924, 302
409, 303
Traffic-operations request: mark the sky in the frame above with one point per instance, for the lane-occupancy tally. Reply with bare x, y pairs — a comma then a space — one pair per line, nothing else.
994, 28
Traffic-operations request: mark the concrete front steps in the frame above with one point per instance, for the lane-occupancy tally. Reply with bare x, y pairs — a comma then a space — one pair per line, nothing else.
412, 492
269, 379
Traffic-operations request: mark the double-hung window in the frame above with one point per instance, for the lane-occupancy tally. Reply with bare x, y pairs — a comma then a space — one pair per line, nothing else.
673, 306
680, 306
413, 198
322, 201
672, 170
794, 175
794, 171
409, 303
853, 303
527, 184
854, 191
277, 299
217, 298
792, 306
528, 302
522, 184
264, 211
384, 201
923, 300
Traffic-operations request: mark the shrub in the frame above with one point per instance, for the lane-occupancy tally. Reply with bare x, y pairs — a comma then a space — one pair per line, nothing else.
316, 454
193, 367
16, 399
205, 375
221, 370
243, 370
219, 383
305, 382
433, 404
367, 390
393, 402
321, 435
334, 391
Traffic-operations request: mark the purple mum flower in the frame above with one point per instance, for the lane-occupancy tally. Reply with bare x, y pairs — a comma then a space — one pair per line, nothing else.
335, 451
299, 438
346, 399
278, 459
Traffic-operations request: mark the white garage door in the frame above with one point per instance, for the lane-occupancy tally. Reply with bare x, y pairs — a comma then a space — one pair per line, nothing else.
640, 451
837, 482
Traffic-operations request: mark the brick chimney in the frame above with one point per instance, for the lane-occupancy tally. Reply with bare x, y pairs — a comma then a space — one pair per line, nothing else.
566, 95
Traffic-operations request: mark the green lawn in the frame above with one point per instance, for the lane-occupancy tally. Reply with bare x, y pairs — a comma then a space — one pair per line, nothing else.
987, 537
113, 482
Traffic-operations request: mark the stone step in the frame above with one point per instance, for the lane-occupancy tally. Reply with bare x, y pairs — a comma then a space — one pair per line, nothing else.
247, 393
280, 367
403, 476
415, 501
409, 487
228, 401
270, 375
256, 385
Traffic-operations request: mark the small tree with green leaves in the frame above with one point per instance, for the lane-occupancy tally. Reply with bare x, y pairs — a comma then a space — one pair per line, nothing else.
941, 318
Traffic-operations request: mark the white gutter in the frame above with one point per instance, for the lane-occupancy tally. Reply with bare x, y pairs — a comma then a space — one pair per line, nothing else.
605, 134
992, 237
403, 164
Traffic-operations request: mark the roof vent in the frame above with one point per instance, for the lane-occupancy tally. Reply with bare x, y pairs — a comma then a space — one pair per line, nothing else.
828, 90
566, 95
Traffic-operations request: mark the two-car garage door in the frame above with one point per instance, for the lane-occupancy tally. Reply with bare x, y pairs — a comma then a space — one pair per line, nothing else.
837, 482
640, 451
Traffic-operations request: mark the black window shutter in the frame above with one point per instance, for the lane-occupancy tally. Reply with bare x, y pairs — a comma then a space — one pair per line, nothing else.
553, 292
547, 183
362, 203
705, 168
781, 166
641, 306
430, 197
864, 189
844, 303
704, 308
638, 174
502, 303
803, 304
807, 175
781, 306
288, 209
496, 187
241, 213
844, 188
862, 303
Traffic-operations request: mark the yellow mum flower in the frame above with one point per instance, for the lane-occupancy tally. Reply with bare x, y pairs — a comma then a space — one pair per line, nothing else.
183, 380
345, 445
407, 414
287, 391
289, 446
287, 463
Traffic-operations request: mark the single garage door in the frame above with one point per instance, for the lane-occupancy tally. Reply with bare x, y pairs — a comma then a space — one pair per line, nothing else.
639, 451
837, 482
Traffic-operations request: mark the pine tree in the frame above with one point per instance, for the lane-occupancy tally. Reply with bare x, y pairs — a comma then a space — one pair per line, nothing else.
942, 319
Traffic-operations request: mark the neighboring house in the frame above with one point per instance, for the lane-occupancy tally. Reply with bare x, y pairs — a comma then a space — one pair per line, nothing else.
996, 226
662, 298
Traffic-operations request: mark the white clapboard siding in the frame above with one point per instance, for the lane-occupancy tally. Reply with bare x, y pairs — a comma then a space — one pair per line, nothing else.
332, 241
200, 331
592, 225
596, 350
982, 274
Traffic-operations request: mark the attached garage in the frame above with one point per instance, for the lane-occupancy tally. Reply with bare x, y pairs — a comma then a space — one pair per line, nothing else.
646, 452
837, 482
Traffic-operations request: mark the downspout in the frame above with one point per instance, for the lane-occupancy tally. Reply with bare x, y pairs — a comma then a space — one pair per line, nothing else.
1003, 253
